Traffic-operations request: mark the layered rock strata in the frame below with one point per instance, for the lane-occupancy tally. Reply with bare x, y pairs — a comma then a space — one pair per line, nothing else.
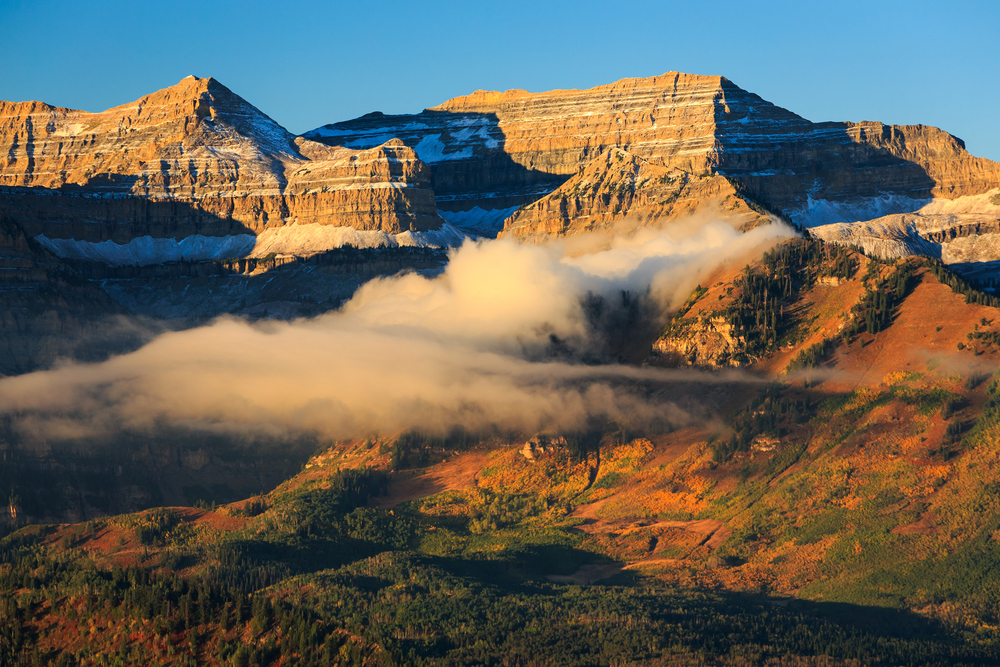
620, 192
963, 232
195, 159
494, 150
194, 172
491, 150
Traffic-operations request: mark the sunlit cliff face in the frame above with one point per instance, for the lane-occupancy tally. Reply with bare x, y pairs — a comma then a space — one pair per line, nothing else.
471, 347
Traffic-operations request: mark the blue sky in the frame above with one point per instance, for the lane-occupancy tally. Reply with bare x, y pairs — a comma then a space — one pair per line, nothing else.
308, 63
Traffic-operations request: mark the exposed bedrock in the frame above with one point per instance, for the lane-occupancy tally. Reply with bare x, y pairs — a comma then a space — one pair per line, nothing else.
491, 150
195, 159
621, 192
963, 232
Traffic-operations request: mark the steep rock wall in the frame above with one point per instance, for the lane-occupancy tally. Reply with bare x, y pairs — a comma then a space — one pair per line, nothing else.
492, 150
620, 191
195, 159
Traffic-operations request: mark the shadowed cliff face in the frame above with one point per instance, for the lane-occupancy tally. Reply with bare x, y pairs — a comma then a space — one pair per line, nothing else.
787, 160
269, 287
50, 312
468, 153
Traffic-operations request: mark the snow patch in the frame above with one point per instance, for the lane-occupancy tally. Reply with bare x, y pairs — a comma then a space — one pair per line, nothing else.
445, 237
431, 149
311, 239
474, 128
818, 212
146, 250
479, 222
365, 143
300, 240
331, 131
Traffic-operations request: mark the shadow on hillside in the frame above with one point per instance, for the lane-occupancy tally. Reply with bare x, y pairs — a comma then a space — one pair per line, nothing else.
268, 287
838, 168
982, 275
81, 477
782, 164
804, 627
106, 210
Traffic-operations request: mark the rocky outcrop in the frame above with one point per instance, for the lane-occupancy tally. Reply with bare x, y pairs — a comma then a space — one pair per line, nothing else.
620, 191
491, 150
541, 444
708, 341
195, 159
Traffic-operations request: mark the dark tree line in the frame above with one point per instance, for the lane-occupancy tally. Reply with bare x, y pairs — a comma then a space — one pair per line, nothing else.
769, 415
761, 310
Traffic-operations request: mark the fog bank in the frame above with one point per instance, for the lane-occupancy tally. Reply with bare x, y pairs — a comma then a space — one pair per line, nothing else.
495, 341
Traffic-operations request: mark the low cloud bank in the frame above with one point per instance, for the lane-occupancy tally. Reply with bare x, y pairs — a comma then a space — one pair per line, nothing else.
493, 342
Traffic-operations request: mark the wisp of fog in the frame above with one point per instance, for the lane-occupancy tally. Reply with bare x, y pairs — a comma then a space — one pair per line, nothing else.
471, 347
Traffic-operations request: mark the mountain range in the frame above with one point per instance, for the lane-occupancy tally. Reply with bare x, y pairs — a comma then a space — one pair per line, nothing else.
816, 485
205, 175
195, 177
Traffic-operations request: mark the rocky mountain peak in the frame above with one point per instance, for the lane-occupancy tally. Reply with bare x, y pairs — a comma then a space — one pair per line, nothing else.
196, 159
193, 100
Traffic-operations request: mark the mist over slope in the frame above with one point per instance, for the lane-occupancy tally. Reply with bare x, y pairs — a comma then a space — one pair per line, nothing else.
496, 341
